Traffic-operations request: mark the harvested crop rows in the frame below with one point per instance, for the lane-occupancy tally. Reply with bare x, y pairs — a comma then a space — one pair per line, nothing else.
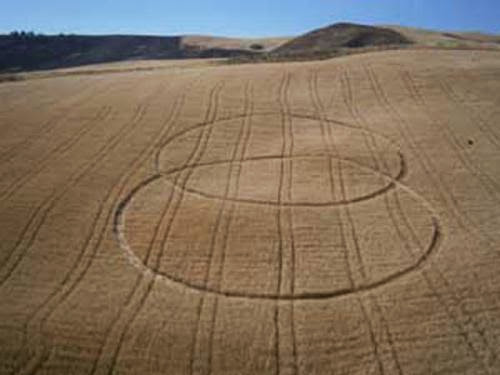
302, 218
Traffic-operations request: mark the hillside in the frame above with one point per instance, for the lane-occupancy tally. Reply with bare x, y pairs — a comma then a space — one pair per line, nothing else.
23, 52
433, 38
341, 35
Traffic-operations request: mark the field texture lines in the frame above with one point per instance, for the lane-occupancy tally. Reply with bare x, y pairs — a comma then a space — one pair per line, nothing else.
333, 217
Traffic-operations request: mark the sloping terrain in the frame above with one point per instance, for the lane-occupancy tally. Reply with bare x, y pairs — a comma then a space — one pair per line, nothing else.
37, 52
444, 39
341, 35
28, 52
333, 217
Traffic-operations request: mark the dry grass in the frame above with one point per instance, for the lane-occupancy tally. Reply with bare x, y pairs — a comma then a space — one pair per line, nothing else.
118, 67
308, 218
204, 41
450, 39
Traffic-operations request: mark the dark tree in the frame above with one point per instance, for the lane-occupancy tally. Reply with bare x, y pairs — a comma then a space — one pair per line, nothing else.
257, 47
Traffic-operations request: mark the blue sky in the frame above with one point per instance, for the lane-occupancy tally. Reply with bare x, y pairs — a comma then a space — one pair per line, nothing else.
241, 18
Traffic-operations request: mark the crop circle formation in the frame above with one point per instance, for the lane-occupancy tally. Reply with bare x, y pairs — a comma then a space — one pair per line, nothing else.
241, 207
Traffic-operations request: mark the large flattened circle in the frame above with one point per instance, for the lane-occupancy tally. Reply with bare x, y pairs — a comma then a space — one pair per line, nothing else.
257, 251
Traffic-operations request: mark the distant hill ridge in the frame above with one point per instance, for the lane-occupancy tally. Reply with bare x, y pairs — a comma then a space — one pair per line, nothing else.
27, 51
341, 35
21, 52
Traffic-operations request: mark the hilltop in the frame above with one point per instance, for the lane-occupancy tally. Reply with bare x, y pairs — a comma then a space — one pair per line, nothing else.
341, 35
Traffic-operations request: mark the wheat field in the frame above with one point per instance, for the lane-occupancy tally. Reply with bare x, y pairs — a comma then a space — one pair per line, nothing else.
333, 217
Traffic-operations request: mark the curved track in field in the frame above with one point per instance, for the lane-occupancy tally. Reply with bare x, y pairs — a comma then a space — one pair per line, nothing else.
171, 177
319, 217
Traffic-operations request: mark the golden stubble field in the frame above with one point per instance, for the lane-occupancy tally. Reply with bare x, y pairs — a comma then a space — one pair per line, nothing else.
335, 217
